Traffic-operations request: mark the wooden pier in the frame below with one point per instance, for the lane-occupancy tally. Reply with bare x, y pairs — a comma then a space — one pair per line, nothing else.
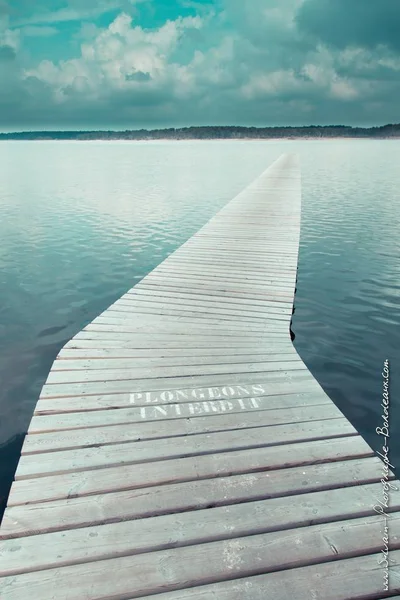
180, 447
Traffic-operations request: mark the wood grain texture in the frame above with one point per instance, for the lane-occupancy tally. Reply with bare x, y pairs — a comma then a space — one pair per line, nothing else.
179, 470
264, 478
65, 432
192, 556
181, 449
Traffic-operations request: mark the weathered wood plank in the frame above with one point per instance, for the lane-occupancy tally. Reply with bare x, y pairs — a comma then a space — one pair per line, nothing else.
128, 363
221, 294
220, 288
210, 311
329, 581
205, 305
178, 470
103, 405
72, 354
261, 260
145, 311
163, 571
148, 301
177, 314
152, 422
190, 270
211, 560
138, 372
160, 343
210, 283
261, 482
281, 278
266, 254
183, 261
254, 337
192, 445
137, 311
207, 297
153, 325
147, 320
261, 242
274, 383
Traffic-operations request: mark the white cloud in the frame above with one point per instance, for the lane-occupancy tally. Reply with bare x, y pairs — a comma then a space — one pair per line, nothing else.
247, 63
10, 38
364, 60
271, 84
126, 61
342, 89
122, 58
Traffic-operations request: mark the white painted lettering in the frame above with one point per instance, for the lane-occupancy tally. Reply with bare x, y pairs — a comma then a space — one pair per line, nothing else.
225, 405
195, 408
243, 390
160, 410
228, 391
258, 389
135, 396
214, 393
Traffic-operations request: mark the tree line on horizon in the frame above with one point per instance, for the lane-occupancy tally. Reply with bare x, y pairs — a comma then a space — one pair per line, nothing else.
215, 132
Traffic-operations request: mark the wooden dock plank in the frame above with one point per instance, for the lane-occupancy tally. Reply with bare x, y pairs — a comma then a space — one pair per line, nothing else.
159, 395
145, 302
256, 287
181, 448
160, 343
178, 470
274, 383
55, 432
221, 294
147, 574
329, 581
170, 361
260, 482
137, 372
179, 325
197, 303
140, 545
207, 298
103, 405
181, 315
191, 445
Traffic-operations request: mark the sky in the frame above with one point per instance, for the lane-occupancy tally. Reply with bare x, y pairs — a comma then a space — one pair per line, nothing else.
128, 64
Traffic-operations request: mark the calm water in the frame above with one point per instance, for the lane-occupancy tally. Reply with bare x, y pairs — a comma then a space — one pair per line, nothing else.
80, 222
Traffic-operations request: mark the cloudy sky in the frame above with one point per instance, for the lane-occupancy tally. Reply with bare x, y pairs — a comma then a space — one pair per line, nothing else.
120, 64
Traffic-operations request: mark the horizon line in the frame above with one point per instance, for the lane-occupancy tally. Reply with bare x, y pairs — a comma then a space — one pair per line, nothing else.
197, 127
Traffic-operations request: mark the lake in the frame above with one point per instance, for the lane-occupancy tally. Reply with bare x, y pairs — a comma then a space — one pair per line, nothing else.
81, 222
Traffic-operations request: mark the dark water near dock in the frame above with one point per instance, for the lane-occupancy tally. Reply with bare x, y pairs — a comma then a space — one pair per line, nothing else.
80, 223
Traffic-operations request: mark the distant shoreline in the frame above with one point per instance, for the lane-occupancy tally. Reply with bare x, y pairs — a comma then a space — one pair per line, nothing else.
193, 139
313, 132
